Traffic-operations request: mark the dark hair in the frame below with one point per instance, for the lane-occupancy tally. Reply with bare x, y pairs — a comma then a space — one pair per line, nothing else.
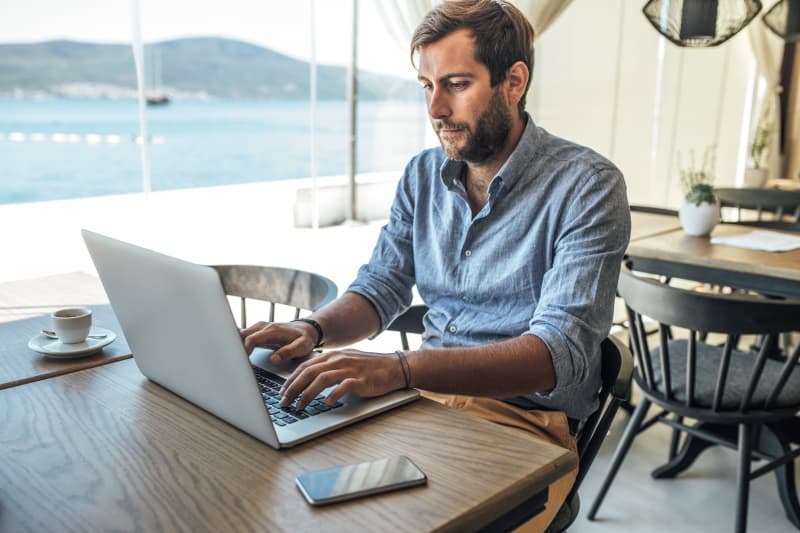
502, 34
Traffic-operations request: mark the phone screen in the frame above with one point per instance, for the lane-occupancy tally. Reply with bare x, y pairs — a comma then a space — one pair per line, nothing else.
351, 481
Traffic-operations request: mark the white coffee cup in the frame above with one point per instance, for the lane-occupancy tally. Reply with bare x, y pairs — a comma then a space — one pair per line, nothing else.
72, 324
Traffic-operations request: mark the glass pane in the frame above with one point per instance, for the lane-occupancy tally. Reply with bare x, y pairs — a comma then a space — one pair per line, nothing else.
68, 128
392, 122
68, 118
237, 75
237, 78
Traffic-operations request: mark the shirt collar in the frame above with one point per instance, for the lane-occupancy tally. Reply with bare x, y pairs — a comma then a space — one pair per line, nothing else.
451, 170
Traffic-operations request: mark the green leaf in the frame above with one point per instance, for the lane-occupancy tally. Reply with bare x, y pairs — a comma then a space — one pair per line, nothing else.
700, 193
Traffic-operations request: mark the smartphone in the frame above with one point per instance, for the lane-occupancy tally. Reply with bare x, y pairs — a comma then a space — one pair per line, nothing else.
342, 483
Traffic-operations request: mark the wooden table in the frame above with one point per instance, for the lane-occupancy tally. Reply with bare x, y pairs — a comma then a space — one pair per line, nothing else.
696, 258
649, 224
105, 449
24, 311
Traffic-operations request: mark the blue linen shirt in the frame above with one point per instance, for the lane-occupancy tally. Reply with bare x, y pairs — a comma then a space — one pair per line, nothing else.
541, 258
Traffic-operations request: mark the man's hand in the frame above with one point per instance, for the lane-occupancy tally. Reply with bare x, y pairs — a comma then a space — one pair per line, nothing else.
353, 371
290, 340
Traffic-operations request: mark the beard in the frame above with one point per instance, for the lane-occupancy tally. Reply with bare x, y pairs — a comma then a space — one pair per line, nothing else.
490, 135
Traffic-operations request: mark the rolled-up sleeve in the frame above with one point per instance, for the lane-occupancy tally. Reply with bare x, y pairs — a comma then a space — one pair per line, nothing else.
575, 311
387, 279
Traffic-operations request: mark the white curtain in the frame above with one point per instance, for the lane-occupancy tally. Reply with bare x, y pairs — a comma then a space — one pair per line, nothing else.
401, 17
768, 52
542, 13
138, 61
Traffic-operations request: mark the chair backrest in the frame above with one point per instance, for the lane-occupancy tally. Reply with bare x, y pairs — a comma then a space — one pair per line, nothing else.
707, 381
775, 201
409, 322
278, 286
616, 372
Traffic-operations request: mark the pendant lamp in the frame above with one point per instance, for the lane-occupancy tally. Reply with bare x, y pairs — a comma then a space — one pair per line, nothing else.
700, 23
784, 20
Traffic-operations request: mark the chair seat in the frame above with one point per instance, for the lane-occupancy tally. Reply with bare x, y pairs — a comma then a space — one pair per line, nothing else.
708, 359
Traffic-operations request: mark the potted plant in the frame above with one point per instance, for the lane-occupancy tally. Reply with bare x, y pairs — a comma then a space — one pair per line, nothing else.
755, 175
701, 212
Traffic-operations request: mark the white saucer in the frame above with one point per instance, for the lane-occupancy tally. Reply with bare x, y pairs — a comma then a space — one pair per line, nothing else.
57, 349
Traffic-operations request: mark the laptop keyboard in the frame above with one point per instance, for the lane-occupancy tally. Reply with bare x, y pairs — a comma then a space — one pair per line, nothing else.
270, 385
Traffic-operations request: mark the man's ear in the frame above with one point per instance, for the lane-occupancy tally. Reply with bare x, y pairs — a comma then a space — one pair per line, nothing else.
516, 81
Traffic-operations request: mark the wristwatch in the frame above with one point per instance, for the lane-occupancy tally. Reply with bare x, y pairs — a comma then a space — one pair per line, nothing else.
320, 336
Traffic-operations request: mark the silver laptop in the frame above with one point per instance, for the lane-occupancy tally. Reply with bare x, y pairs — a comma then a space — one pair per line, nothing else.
181, 330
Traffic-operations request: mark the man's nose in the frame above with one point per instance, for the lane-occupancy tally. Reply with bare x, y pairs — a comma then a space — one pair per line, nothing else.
438, 104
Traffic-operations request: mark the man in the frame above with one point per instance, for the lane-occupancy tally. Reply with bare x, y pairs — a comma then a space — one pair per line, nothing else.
512, 236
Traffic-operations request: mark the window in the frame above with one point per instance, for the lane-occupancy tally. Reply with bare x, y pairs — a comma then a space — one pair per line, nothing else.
229, 88
68, 120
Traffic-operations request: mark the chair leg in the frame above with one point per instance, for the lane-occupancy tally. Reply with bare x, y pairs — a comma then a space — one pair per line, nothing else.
619, 455
772, 442
743, 477
675, 439
691, 449
627, 406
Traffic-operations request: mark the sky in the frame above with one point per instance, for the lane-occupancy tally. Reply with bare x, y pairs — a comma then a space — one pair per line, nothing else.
282, 25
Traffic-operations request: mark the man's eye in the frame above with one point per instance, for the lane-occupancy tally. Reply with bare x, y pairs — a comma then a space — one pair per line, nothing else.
457, 85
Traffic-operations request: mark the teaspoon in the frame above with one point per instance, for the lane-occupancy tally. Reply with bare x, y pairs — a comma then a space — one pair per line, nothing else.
52, 334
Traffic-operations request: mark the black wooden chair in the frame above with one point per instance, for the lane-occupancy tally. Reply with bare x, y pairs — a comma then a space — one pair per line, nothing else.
777, 202
742, 400
278, 286
616, 372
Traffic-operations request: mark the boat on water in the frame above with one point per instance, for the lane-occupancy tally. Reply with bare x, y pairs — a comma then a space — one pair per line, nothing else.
157, 99
155, 95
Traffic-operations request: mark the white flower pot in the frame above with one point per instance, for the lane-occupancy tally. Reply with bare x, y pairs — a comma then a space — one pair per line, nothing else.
699, 220
755, 177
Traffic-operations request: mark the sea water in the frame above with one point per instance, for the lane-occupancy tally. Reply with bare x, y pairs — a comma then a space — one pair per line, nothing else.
56, 148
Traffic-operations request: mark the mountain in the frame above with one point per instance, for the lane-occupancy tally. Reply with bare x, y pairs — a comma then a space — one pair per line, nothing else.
192, 67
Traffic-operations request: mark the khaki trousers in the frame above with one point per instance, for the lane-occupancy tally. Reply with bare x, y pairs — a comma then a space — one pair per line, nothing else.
549, 426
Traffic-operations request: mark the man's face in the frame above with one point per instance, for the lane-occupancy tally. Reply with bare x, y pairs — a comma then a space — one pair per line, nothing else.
471, 119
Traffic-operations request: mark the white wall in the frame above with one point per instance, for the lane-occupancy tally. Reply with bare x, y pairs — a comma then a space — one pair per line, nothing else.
700, 99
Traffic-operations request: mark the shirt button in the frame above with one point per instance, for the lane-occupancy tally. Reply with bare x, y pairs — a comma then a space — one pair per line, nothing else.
452, 329
468, 253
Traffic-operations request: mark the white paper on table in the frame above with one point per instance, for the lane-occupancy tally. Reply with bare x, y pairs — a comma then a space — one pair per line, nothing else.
768, 241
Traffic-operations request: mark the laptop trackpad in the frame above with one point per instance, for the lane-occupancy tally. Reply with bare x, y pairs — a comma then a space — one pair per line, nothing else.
260, 358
